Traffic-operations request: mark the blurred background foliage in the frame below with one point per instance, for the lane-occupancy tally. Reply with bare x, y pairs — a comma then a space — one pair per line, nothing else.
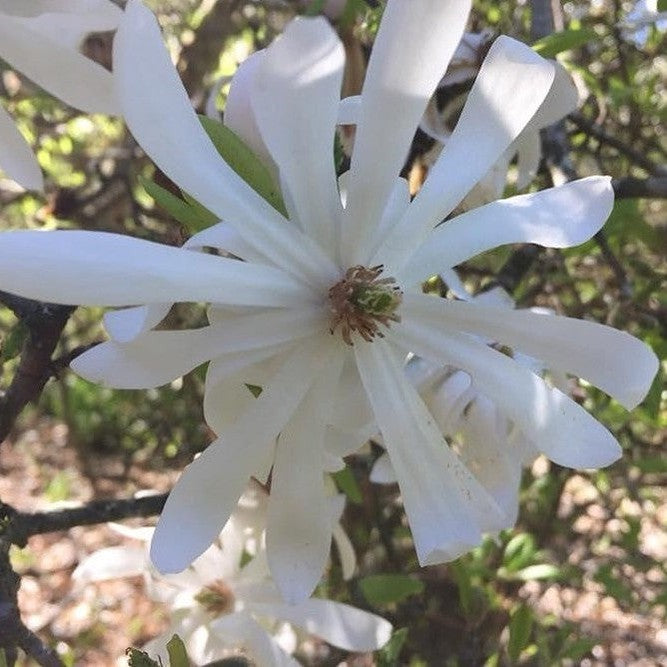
512, 600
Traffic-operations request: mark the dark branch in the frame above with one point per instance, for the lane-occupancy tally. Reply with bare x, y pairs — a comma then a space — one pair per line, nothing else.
654, 187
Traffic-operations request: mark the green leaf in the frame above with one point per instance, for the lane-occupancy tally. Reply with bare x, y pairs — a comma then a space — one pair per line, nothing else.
390, 653
195, 219
12, 344
137, 658
244, 162
3, 659
577, 648
178, 656
519, 552
347, 483
520, 627
383, 589
557, 42
662, 5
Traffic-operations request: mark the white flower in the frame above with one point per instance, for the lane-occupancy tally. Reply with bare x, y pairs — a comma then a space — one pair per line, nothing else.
561, 100
637, 23
218, 607
41, 39
281, 319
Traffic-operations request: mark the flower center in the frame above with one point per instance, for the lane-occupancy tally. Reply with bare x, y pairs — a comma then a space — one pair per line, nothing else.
362, 301
216, 598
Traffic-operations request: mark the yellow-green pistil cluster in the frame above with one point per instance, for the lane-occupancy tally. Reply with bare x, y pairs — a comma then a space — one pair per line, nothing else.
217, 598
362, 301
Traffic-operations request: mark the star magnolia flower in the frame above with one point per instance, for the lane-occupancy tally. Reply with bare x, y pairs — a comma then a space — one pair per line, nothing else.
332, 275
561, 100
41, 39
489, 444
637, 23
218, 607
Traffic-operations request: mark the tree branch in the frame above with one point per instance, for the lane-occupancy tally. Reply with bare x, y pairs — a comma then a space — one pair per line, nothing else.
654, 187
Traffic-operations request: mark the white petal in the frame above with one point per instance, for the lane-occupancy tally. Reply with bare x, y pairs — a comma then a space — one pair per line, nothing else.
346, 555
223, 236
111, 563
614, 361
338, 624
241, 630
413, 47
556, 218
349, 110
447, 508
560, 428
157, 357
126, 324
298, 536
16, 157
104, 12
207, 491
98, 268
296, 90
239, 115
55, 66
160, 116
383, 472
561, 99
489, 455
511, 84
529, 153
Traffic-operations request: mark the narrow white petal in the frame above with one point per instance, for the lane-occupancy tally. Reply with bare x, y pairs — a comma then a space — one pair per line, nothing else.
511, 84
529, 153
298, 536
346, 555
383, 472
560, 428
612, 360
224, 236
295, 95
239, 115
338, 624
160, 116
413, 47
559, 217
126, 324
207, 491
16, 157
105, 12
447, 508
111, 563
242, 631
349, 110
102, 269
86, 86
157, 357
561, 99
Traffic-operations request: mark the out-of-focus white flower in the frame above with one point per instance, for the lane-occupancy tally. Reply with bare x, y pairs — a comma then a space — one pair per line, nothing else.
328, 303
41, 39
219, 606
438, 123
637, 23
489, 443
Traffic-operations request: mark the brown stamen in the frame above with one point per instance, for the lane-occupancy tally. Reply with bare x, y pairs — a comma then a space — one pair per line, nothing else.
362, 301
217, 598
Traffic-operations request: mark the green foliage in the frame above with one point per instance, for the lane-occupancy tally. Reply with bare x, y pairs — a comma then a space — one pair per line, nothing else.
347, 483
390, 653
521, 627
557, 42
178, 656
384, 589
12, 343
244, 162
137, 658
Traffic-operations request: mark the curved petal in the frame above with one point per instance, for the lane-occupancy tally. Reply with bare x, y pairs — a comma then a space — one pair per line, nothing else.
295, 95
561, 99
614, 361
413, 47
223, 236
447, 508
16, 157
105, 12
160, 116
383, 472
510, 86
239, 115
556, 218
99, 268
126, 324
207, 491
298, 535
157, 357
338, 624
349, 110
44, 59
560, 428
111, 563
529, 153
